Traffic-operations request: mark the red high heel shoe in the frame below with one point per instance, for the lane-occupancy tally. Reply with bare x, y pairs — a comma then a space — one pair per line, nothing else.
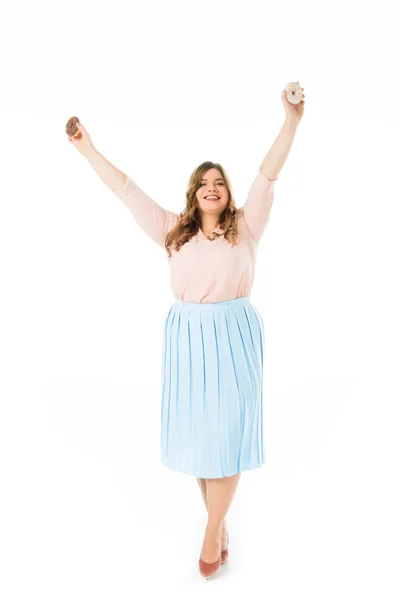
207, 569
225, 553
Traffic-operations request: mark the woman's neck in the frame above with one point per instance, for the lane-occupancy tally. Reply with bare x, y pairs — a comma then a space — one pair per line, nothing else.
208, 224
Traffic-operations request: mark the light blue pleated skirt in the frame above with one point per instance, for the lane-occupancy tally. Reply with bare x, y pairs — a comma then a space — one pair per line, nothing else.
212, 388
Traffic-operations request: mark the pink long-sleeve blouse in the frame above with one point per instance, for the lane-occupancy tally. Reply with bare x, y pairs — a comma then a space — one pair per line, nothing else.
206, 270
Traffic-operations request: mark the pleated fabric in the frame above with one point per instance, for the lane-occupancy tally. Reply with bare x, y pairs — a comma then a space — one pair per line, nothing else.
212, 388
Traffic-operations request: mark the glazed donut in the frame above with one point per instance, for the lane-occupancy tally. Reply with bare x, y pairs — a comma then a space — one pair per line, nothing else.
293, 92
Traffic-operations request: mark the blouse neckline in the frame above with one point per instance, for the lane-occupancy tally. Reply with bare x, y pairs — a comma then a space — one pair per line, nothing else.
204, 237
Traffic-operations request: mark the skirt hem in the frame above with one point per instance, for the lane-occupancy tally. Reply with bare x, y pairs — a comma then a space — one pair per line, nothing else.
250, 467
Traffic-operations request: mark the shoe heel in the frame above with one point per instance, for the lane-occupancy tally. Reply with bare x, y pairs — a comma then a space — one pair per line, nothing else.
225, 553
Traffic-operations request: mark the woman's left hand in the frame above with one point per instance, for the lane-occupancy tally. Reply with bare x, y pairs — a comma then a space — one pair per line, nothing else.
293, 111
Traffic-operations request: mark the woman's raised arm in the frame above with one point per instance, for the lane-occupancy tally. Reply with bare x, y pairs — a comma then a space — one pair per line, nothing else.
154, 220
257, 207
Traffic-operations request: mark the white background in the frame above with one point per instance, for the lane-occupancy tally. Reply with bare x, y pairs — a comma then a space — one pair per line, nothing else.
86, 508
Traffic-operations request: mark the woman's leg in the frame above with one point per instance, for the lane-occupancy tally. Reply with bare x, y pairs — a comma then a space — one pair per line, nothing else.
203, 487
220, 493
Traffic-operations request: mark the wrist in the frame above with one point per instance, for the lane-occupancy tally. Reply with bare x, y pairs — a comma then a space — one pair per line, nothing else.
292, 122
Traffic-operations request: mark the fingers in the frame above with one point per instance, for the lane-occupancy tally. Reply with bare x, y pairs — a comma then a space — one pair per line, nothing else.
82, 131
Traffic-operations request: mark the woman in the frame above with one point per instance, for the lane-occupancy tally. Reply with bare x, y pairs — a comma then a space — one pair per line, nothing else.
213, 339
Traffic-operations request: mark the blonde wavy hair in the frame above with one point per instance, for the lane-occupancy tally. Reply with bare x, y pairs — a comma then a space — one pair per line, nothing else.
189, 222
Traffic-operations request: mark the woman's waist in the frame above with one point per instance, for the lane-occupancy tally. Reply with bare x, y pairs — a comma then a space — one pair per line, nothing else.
222, 304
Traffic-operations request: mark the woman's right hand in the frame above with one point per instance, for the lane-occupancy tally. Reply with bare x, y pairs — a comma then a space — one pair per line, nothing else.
84, 143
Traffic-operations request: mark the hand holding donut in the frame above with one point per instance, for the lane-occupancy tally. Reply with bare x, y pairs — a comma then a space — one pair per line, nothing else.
78, 136
293, 101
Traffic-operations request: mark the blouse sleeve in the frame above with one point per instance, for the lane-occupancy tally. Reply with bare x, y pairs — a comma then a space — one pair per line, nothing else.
154, 220
257, 207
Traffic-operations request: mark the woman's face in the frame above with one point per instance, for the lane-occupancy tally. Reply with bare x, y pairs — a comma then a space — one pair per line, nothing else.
212, 184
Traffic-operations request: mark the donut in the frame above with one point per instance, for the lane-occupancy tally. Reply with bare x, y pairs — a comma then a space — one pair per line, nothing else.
71, 128
293, 92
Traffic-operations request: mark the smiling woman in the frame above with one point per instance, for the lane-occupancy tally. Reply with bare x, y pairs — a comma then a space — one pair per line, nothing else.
213, 337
